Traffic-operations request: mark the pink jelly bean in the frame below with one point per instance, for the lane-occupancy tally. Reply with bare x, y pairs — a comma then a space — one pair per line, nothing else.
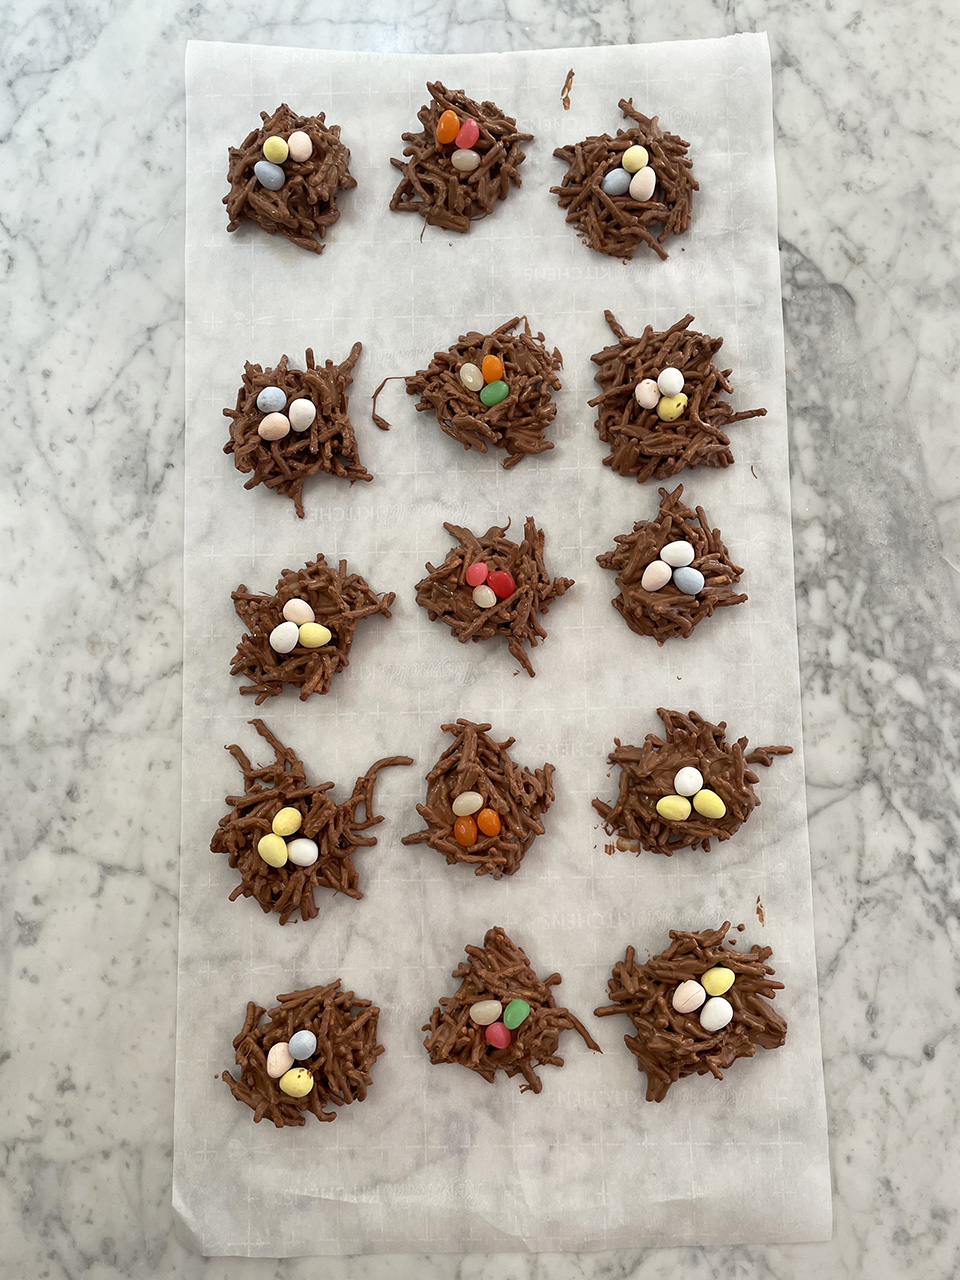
476, 573
498, 1037
469, 133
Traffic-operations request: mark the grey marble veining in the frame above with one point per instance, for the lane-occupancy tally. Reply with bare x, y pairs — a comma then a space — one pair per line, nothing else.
92, 253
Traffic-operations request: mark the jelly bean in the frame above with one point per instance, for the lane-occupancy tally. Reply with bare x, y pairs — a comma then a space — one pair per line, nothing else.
647, 393
493, 393
717, 980
673, 808
271, 400
677, 554
476, 573
501, 583
709, 804
488, 820
687, 580
516, 1013
688, 781
303, 852
715, 1014
616, 182
269, 175
670, 407
497, 1035
279, 1060
465, 832
483, 597
467, 802
314, 635
656, 575
297, 1082
287, 821
300, 145
274, 426
468, 134
642, 184
688, 997
303, 1045
485, 1011
273, 850
492, 368
465, 161
301, 414
634, 159
448, 126
275, 150
471, 377
670, 381
283, 639
298, 611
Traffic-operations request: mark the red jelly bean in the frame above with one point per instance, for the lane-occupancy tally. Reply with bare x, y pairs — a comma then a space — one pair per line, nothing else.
501, 583
476, 573
498, 1037
469, 133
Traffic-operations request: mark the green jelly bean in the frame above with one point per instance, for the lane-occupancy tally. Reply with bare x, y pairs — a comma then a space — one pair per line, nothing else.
516, 1012
493, 393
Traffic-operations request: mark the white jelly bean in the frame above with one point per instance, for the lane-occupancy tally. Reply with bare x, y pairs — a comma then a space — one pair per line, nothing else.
465, 160
642, 184
656, 575
670, 381
298, 611
716, 1013
274, 427
689, 581
484, 597
677, 554
300, 146
302, 852
271, 400
284, 639
485, 1012
688, 996
688, 781
279, 1060
301, 414
471, 377
647, 393
467, 802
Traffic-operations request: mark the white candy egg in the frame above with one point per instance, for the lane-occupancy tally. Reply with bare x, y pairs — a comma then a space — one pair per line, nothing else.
656, 575
302, 852
670, 381
716, 1013
283, 639
301, 414
688, 781
647, 394
484, 596
677, 554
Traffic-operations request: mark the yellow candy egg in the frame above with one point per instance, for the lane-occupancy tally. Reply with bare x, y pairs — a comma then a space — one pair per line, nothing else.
633, 159
671, 407
709, 804
673, 808
313, 635
718, 980
273, 850
275, 150
287, 822
297, 1082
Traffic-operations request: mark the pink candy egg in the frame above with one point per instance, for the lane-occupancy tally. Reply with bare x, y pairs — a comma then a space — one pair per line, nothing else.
498, 1037
469, 133
476, 573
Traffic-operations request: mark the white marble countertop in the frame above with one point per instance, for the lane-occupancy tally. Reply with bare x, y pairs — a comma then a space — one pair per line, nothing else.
867, 128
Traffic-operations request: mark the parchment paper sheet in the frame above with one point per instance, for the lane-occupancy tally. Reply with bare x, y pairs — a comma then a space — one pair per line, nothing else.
436, 1159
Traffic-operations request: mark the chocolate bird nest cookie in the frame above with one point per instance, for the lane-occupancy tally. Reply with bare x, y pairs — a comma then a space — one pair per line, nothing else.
685, 789
696, 1008
290, 839
632, 190
502, 1017
481, 807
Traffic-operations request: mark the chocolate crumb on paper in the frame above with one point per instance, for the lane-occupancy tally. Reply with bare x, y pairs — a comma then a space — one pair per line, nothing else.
565, 91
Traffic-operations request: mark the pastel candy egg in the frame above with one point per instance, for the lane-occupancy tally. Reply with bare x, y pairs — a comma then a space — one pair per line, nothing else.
689, 581
448, 126
677, 554
283, 639
279, 1060
465, 832
275, 150
515, 1014
717, 980
274, 426
297, 1082
287, 821
647, 394
483, 597
670, 407
708, 804
670, 381
314, 635
488, 820
271, 400
300, 146
688, 997
269, 175
468, 134
673, 808
642, 184
687, 781
303, 1045
465, 161
303, 852
467, 802
297, 611
616, 182
656, 575
471, 377
273, 850
485, 1011
634, 158
476, 573
301, 414
715, 1014
493, 393
502, 584
497, 1035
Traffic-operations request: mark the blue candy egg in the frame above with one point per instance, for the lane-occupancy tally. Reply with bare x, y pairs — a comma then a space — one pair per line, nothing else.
271, 400
688, 580
302, 1045
616, 182
269, 175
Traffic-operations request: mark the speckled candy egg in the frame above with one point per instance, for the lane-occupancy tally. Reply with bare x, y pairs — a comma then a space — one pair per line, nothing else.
271, 400
301, 414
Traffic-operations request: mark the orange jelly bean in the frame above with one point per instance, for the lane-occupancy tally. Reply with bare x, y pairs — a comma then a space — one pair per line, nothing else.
489, 822
465, 832
448, 126
492, 368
